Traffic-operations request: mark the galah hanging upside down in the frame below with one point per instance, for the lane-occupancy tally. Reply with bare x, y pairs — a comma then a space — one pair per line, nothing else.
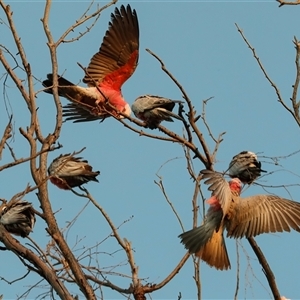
67, 171
154, 109
245, 166
241, 217
18, 217
109, 68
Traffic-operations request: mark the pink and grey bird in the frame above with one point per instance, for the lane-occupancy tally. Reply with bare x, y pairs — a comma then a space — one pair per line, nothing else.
17, 216
108, 69
241, 217
67, 171
154, 109
245, 166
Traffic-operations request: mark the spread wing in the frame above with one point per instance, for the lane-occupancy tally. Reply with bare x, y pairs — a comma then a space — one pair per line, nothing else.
262, 214
118, 55
219, 188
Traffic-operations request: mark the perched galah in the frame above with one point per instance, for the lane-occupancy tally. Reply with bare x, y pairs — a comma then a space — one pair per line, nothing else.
242, 217
67, 171
154, 109
109, 68
245, 166
18, 217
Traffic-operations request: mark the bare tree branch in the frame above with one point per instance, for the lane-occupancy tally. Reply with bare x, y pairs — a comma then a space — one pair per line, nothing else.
48, 274
266, 268
294, 113
191, 115
237, 271
83, 19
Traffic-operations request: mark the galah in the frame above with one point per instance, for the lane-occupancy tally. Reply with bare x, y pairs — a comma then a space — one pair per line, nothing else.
108, 69
67, 171
154, 109
241, 217
245, 166
18, 217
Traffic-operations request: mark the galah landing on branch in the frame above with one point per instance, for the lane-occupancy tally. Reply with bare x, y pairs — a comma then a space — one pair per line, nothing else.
154, 109
245, 166
109, 68
67, 171
241, 217
18, 217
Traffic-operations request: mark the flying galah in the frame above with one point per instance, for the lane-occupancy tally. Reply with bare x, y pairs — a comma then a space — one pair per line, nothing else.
245, 166
242, 217
67, 171
109, 68
18, 217
154, 109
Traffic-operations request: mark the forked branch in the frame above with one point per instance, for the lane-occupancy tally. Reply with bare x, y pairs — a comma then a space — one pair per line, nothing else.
295, 111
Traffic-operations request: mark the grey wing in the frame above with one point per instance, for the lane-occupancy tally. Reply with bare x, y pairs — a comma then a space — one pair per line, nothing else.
262, 214
219, 188
149, 102
67, 165
164, 114
119, 44
73, 167
14, 213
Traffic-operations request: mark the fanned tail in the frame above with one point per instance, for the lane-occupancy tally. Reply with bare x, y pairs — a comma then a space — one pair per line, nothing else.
196, 238
214, 252
207, 241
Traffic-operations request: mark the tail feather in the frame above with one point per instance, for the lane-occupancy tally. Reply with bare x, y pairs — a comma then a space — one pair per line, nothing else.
214, 252
207, 241
196, 238
167, 115
69, 90
62, 82
74, 181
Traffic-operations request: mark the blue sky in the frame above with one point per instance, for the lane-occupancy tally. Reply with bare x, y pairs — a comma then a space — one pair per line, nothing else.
200, 45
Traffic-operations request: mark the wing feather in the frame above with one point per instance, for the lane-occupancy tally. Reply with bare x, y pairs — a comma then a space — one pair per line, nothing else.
219, 188
262, 214
119, 47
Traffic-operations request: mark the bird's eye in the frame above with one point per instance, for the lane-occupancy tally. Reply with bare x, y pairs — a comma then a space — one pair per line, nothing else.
3, 210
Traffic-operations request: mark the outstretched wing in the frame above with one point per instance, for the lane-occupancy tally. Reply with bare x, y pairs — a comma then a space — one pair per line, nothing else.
118, 55
262, 214
219, 187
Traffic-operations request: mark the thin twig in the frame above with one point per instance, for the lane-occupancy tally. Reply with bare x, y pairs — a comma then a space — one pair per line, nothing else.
237, 271
22, 160
83, 20
191, 114
280, 99
162, 188
6, 135
155, 287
